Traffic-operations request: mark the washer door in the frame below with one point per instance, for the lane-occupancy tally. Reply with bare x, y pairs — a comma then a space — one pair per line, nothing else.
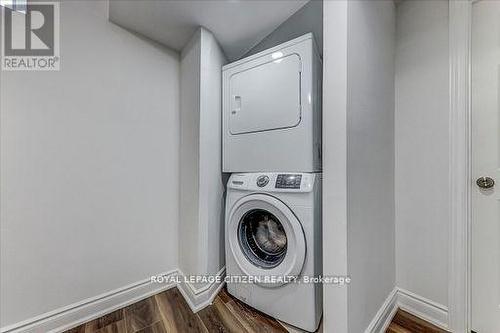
266, 238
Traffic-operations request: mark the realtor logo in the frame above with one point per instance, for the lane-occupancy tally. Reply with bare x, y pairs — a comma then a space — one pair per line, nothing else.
30, 38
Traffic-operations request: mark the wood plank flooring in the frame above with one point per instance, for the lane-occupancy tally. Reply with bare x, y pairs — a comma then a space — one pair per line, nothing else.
404, 322
168, 312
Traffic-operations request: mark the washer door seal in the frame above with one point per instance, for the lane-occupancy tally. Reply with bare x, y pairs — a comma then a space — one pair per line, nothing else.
266, 238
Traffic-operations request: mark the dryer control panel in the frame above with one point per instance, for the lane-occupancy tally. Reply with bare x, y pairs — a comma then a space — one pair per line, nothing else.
286, 180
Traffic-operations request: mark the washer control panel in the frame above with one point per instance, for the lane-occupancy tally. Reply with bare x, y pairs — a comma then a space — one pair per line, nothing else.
273, 182
286, 180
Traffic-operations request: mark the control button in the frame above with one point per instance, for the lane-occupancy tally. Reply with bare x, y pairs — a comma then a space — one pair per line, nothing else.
262, 181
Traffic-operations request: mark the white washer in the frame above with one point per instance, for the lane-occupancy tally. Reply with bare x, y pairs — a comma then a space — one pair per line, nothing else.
273, 229
272, 109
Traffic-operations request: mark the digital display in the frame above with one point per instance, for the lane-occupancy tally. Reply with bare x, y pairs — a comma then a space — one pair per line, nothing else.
288, 181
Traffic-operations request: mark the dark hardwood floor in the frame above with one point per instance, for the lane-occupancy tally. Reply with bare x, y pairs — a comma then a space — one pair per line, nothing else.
404, 322
168, 312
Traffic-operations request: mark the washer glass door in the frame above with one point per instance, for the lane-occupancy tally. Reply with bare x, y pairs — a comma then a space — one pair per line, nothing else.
266, 238
262, 238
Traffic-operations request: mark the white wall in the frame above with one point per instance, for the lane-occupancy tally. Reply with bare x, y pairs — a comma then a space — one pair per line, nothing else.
89, 167
212, 182
335, 163
189, 232
307, 19
370, 159
421, 132
385, 237
202, 186
358, 162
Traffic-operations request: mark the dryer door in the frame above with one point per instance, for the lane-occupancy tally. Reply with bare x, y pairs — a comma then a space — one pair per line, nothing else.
266, 239
266, 97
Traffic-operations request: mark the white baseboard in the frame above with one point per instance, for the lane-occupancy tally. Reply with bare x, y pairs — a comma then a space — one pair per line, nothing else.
78, 313
434, 313
385, 314
199, 298
75, 314
419, 306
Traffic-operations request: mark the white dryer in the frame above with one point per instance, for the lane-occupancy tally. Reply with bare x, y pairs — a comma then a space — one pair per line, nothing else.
272, 109
273, 236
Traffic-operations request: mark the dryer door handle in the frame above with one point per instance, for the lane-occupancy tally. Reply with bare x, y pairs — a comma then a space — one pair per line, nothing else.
236, 104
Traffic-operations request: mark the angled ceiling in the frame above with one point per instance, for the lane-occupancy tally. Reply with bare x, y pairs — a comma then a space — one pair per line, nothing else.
237, 24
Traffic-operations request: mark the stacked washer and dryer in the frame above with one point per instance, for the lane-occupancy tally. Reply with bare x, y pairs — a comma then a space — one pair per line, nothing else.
272, 147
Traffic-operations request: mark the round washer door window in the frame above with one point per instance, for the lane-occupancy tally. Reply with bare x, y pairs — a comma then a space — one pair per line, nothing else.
266, 238
262, 238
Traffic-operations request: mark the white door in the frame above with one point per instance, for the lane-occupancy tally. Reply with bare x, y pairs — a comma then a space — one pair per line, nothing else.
266, 97
486, 166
